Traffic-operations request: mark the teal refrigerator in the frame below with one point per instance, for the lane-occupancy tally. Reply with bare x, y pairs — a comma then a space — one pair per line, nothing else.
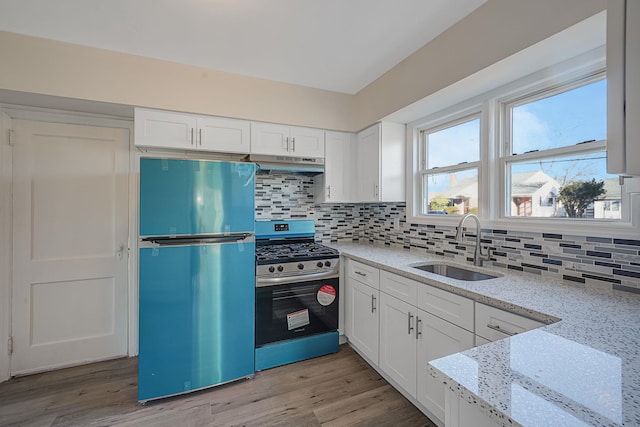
196, 275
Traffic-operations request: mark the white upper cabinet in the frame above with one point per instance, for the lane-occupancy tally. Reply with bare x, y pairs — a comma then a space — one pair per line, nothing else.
164, 129
334, 185
623, 87
281, 140
381, 163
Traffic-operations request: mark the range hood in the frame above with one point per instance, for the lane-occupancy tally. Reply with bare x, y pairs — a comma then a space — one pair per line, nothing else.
301, 165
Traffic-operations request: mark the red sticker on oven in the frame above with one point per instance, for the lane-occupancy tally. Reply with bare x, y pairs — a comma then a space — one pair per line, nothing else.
326, 295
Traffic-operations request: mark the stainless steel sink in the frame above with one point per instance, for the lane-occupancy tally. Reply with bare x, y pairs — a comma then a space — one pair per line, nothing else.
454, 272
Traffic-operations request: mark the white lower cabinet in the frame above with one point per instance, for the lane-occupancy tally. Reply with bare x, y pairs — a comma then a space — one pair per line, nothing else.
494, 324
438, 338
398, 341
461, 413
361, 311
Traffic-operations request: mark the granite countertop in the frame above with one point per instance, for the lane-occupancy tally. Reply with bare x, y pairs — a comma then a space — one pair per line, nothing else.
582, 368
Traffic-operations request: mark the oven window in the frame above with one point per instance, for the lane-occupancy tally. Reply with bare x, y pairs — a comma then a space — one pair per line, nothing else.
296, 310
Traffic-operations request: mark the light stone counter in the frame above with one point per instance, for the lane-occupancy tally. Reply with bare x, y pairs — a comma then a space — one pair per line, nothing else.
582, 368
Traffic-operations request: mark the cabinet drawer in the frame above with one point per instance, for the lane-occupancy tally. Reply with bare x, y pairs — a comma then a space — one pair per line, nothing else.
400, 287
364, 273
450, 307
494, 324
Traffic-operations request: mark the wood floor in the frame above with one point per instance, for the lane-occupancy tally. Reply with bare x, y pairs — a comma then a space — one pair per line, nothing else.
336, 390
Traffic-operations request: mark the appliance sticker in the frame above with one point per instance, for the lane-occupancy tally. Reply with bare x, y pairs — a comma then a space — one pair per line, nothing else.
298, 319
326, 295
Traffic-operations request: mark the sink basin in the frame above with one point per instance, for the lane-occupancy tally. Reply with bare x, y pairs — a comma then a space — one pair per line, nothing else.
454, 272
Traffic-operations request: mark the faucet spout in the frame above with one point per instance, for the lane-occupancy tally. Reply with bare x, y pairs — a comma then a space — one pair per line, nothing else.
478, 256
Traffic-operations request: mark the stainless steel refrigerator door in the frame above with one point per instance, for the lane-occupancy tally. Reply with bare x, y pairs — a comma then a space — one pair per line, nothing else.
186, 197
197, 307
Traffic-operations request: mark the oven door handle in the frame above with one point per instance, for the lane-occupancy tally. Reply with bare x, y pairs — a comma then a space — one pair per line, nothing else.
273, 281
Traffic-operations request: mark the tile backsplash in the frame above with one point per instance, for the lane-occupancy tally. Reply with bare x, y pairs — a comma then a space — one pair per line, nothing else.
593, 261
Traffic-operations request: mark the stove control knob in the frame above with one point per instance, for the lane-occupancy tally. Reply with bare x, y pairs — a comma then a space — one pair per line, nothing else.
272, 269
319, 264
300, 266
327, 264
280, 268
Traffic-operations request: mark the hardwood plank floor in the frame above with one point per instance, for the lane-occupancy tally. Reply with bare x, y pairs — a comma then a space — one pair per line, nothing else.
336, 390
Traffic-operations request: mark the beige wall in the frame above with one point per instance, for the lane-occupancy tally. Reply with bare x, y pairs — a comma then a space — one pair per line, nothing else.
493, 32
31, 64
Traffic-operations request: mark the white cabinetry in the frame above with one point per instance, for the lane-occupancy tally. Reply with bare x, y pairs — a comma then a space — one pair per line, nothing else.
381, 163
334, 185
164, 129
447, 328
461, 413
493, 324
623, 87
281, 140
410, 336
361, 313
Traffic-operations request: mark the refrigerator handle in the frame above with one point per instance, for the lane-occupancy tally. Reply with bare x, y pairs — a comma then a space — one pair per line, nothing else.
168, 241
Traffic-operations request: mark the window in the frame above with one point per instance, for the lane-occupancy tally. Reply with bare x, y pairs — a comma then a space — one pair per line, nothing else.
450, 166
530, 155
555, 153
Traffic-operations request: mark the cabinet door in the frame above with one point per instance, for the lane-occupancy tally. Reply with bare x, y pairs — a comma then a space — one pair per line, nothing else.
495, 324
268, 138
398, 341
335, 184
368, 164
438, 338
164, 129
223, 135
362, 318
306, 142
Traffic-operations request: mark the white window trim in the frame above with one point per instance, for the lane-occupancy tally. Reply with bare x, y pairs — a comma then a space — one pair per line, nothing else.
491, 173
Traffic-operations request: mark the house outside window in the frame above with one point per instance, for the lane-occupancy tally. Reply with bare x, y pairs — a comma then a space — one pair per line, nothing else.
450, 167
555, 152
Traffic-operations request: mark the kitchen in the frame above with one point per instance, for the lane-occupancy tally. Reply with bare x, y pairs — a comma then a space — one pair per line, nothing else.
385, 222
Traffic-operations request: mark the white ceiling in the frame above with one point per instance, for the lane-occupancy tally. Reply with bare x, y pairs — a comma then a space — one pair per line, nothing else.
338, 45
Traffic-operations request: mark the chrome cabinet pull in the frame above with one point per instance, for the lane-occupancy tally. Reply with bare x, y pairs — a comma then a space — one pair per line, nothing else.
418, 331
360, 273
191, 136
329, 191
200, 131
410, 318
373, 303
293, 144
499, 329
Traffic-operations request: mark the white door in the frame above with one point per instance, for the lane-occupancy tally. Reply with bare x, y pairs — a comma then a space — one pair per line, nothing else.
307, 142
398, 341
368, 149
165, 129
70, 228
223, 135
338, 147
270, 139
438, 338
362, 318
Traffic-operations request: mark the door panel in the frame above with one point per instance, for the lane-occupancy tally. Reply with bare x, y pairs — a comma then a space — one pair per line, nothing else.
70, 225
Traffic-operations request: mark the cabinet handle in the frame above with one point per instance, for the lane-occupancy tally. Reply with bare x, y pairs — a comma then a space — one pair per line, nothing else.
191, 136
499, 329
287, 141
410, 318
293, 144
375, 190
200, 132
418, 331
329, 191
360, 273
373, 303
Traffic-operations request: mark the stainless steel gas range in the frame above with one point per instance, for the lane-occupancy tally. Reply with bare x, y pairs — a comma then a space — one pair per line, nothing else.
297, 292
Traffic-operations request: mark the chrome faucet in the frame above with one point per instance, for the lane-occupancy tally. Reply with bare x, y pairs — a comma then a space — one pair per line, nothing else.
478, 256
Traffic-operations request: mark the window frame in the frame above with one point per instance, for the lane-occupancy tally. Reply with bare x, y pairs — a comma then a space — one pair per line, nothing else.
457, 119
492, 190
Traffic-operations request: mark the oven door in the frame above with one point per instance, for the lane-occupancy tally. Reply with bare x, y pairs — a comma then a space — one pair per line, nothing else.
296, 310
